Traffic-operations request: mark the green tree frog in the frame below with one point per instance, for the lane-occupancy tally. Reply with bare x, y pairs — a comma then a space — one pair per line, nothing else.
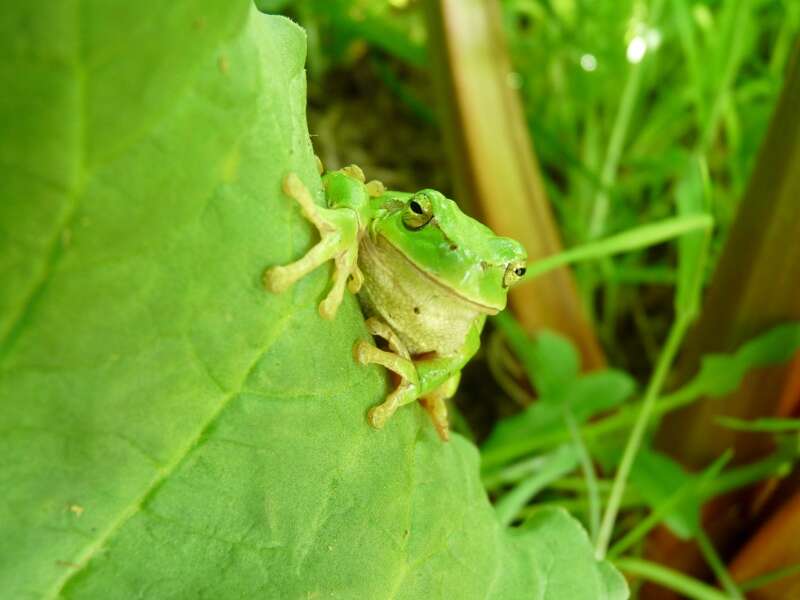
425, 273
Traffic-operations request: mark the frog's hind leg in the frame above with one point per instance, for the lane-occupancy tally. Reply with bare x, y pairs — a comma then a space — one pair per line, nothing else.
436, 407
338, 230
397, 361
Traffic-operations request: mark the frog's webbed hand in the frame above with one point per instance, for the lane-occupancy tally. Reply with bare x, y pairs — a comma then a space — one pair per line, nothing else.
338, 229
397, 361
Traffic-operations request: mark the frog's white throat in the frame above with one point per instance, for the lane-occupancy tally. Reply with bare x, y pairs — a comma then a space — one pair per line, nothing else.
427, 315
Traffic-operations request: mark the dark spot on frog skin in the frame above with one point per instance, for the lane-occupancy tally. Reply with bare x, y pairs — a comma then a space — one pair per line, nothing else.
453, 247
416, 310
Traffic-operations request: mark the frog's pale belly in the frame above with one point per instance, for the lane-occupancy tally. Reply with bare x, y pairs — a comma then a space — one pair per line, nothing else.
426, 315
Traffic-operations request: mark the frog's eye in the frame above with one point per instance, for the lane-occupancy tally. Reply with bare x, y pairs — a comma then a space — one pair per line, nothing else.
418, 212
514, 272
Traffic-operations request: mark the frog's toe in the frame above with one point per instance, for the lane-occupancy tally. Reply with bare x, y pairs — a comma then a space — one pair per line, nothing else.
362, 352
276, 279
355, 172
377, 416
329, 307
404, 394
375, 188
356, 280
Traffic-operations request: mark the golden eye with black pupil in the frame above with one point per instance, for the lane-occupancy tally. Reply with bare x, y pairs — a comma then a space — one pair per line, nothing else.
418, 212
514, 272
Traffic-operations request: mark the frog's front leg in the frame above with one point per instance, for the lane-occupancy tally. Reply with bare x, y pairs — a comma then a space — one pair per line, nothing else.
338, 229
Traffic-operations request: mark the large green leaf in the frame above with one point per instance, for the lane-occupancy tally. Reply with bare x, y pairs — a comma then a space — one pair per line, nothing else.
167, 428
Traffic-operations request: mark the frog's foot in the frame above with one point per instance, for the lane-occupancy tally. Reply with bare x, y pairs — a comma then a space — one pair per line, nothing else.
338, 230
436, 407
375, 188
355, 172
397, 361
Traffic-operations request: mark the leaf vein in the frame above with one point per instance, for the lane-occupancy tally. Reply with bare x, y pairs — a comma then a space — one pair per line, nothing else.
152, 488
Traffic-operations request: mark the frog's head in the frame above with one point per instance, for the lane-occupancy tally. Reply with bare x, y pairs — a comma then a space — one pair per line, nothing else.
453, 249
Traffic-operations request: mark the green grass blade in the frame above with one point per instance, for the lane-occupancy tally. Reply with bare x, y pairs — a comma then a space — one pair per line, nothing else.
717, 566
658, 514
589, 475
669, 578
633, 239
766, 425
768, 578
558, 463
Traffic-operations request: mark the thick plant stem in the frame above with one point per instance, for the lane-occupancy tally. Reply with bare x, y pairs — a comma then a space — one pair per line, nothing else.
494, 167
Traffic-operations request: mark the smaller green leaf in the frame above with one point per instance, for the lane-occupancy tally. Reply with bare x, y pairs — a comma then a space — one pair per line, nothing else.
721, 374
615, 584
662, 482
538, 427
693, 490
656, 477
588, 395
565, 554
549, 359
556, 363
599, 391
555, 465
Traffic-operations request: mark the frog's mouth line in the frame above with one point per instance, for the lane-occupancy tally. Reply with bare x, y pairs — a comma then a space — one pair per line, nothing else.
489, 310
